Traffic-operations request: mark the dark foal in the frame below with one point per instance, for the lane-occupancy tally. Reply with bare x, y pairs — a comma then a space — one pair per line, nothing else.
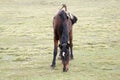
62, 25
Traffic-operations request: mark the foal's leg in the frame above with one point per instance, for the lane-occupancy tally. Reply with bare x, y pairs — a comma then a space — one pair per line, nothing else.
54, 53
71, 45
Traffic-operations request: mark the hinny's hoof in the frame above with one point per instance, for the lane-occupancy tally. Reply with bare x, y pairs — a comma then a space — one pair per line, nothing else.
65, 69
52, 66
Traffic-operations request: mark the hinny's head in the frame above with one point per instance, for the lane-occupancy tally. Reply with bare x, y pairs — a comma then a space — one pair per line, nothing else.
64, 51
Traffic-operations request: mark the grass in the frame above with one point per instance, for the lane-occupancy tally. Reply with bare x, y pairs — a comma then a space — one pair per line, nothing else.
26, 40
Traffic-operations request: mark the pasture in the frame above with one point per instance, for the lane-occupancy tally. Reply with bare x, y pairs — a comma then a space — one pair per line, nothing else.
26, 40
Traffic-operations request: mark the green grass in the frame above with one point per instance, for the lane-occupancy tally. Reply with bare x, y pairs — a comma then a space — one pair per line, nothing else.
26, 40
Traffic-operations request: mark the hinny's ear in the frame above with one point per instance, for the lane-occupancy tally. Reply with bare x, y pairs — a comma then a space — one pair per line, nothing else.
60, 46
68, 45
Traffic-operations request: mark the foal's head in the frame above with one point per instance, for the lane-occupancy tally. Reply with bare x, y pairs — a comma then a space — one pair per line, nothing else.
64, 51
73, 18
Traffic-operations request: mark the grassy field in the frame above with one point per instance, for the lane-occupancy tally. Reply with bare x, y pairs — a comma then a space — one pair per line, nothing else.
26, 40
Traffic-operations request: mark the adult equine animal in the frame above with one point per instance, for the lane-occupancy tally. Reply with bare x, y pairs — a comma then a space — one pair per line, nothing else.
62, 26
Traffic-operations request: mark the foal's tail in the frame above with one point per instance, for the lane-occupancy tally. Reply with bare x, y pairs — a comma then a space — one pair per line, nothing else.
62, 12
64, 6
